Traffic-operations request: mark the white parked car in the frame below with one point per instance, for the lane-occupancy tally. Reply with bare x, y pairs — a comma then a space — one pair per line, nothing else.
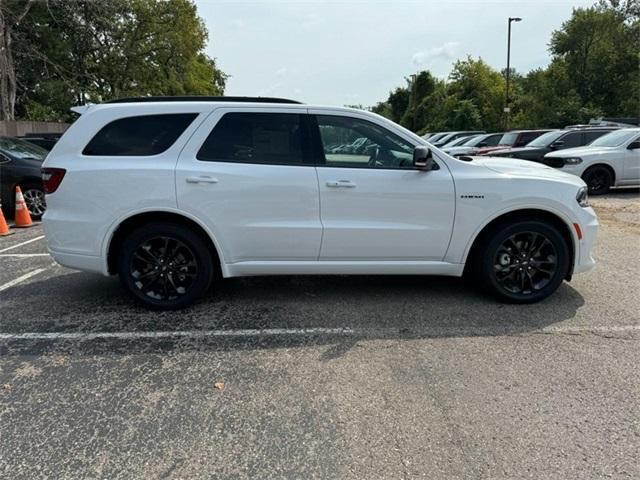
612, 160
170, 195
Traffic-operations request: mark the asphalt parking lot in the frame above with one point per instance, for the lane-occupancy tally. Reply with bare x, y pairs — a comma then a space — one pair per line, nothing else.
324, 377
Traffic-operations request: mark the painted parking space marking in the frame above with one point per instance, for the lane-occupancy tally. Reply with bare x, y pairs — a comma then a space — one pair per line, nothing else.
266, 332
175, 334
20, 279
22, 244
23, 255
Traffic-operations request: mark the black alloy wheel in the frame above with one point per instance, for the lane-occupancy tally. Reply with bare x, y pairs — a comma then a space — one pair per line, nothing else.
523, 262
165, 266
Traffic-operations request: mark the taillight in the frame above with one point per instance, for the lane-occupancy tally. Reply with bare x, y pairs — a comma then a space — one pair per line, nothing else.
51, 178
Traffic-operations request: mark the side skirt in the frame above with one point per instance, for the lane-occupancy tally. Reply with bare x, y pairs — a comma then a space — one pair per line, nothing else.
244, 269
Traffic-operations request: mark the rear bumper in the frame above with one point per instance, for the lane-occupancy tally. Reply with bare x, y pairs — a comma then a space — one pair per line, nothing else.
86, 263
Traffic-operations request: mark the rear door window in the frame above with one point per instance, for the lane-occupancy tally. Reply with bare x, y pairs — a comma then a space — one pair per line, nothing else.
139, 136
590, 136
265, 138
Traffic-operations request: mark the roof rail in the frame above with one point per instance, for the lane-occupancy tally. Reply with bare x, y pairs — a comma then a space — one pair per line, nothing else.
196, 98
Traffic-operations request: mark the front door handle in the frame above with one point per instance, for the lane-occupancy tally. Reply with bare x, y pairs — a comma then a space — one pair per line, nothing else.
341, 184
202, 179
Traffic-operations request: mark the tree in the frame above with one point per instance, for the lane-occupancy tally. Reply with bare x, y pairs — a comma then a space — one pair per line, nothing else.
91, 51
475, 80
600, 49
12, 12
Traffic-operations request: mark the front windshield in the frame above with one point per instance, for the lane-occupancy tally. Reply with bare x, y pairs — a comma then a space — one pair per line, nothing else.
509, 138
614, 139
458, 141
475, 140
16, 148
546, 139
436, 137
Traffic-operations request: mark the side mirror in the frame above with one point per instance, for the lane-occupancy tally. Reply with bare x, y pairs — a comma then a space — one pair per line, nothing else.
423, 160
557, 144
4, 159
634, 145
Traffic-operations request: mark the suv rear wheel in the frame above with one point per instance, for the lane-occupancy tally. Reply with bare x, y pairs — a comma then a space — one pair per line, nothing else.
165, 266
523, 262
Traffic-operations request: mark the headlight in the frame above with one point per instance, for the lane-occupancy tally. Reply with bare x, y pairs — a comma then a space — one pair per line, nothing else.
583, 197
572, 161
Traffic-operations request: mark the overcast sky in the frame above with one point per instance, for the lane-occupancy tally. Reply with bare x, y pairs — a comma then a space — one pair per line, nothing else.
355, 52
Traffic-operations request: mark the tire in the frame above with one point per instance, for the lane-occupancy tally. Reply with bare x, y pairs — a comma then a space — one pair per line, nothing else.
523, 262
165, 266
598, 179
34, 198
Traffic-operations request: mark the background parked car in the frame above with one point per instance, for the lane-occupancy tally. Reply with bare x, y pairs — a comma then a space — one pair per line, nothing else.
20, 164
551, 141
433, 137
513, 139
608, 161
44, 142
473, 144
458, 141
452, 136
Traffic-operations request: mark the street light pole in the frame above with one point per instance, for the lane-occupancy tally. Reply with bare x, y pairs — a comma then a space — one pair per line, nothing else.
507, 108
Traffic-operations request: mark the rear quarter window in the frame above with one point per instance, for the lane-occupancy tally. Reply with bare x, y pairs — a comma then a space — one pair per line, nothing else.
143, 135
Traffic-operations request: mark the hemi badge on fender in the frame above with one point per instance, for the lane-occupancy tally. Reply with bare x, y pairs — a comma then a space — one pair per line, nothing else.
471, 196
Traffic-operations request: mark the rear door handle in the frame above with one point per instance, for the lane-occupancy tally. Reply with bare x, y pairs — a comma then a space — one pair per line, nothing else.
341, 184
202, 179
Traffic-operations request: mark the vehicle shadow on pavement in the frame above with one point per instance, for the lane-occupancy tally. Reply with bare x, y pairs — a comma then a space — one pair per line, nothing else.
368, 307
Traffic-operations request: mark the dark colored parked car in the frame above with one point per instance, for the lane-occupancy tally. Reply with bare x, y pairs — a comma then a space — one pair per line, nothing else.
512, 139
551, 141
44, 142
20, 164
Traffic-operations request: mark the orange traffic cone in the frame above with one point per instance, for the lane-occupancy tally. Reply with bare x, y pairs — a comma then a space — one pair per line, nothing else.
23, 219
4, 228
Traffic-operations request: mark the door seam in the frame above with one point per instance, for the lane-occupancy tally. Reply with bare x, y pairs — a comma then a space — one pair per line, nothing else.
319, 214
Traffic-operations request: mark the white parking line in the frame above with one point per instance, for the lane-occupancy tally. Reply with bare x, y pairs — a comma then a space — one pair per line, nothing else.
597, 329
22, 278
175, 334
23, 255
22, 244
195, 334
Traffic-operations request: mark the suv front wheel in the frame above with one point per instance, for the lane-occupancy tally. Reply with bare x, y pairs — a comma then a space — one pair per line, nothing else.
165, 266
524, 262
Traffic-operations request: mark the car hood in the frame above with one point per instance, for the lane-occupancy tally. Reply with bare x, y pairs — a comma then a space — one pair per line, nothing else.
581, 152
525, 168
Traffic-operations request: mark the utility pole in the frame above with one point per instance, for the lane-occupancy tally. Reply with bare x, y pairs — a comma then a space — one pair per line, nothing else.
413, 101
507, 108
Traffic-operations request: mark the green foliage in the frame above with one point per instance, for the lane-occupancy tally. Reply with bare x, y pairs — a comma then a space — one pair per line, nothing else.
594, 72
91, 51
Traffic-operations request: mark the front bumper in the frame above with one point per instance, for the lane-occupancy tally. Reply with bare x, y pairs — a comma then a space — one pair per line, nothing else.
588, 222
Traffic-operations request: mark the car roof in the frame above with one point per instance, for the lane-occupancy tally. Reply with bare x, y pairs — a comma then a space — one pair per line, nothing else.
198, 98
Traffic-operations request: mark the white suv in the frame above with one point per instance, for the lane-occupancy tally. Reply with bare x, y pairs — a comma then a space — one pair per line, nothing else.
612, 160
171, 193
